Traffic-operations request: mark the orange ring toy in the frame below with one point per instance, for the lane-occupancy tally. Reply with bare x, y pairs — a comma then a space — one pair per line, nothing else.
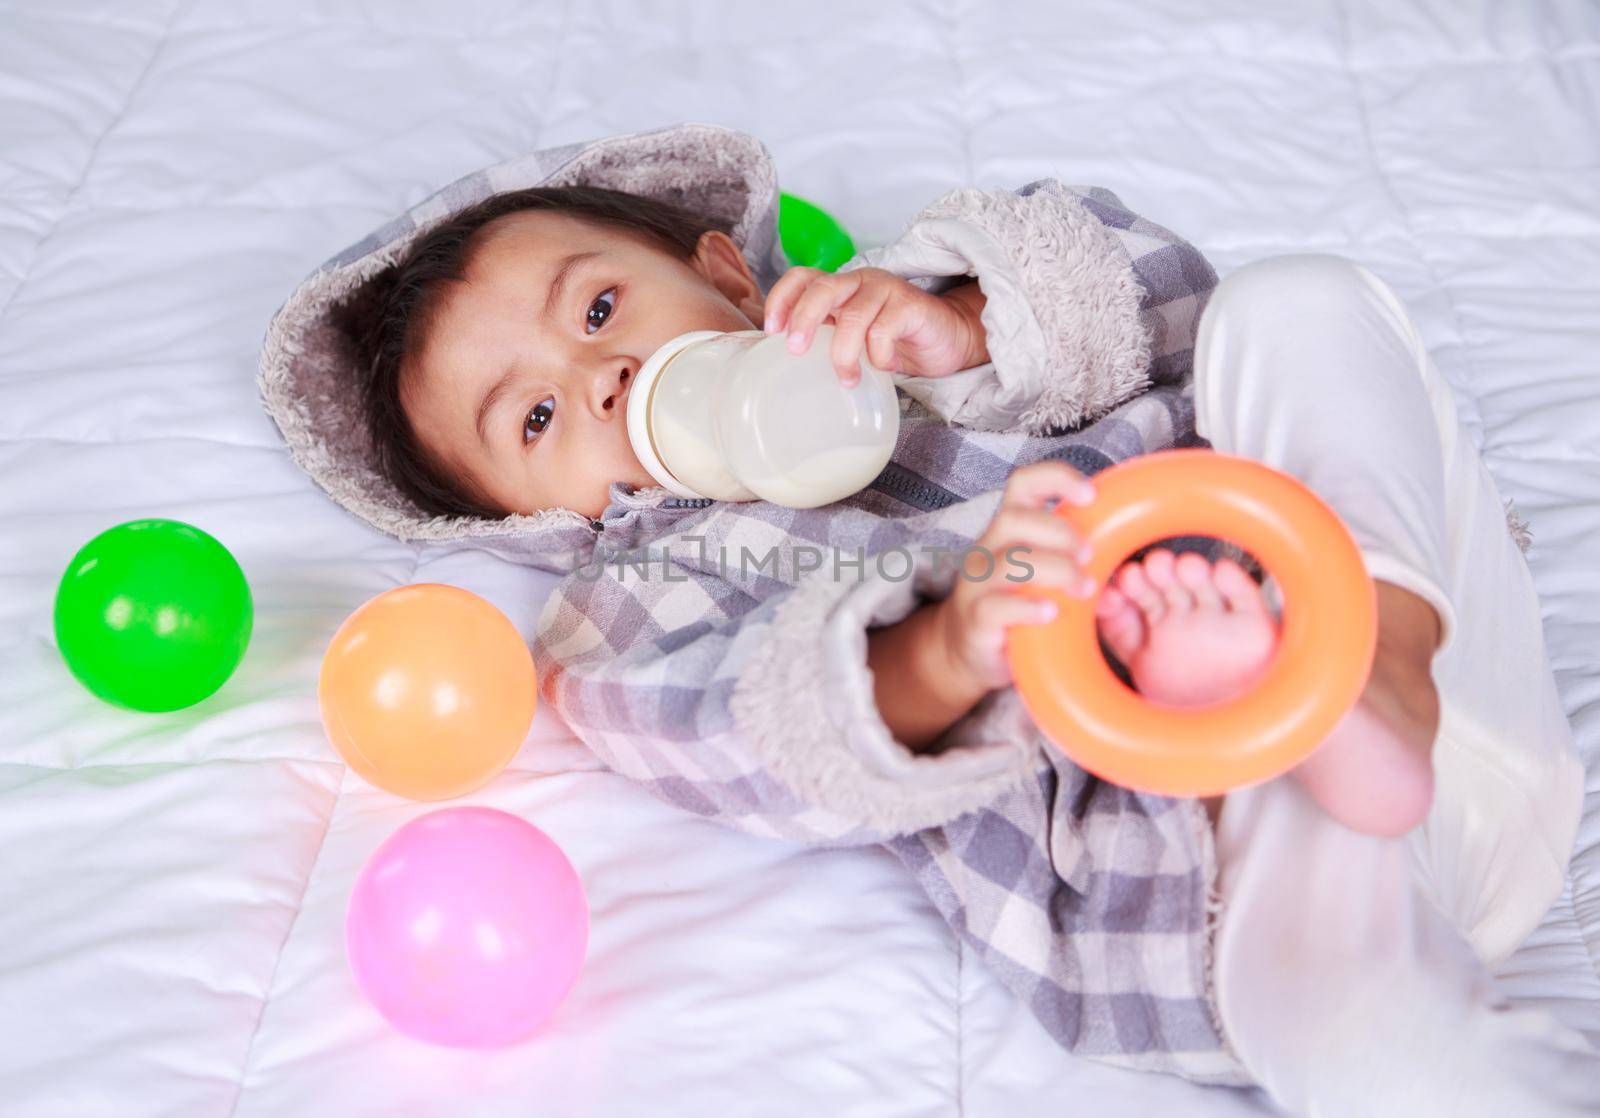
1327, 637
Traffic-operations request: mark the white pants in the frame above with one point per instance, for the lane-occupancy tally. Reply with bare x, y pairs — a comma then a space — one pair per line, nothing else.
1352, 971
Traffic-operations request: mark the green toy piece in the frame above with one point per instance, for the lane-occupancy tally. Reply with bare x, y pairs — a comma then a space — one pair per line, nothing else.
810, 237
153, 615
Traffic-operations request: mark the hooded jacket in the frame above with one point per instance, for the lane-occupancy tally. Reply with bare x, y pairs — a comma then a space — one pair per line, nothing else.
716, 651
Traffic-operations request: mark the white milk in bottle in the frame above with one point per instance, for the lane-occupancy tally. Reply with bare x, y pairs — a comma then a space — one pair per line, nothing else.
737, 417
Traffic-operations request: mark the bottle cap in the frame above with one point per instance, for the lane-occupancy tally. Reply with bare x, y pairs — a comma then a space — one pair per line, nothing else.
639, 434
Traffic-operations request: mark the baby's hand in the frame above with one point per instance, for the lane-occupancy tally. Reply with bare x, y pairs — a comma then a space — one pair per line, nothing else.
902, 328
975, 616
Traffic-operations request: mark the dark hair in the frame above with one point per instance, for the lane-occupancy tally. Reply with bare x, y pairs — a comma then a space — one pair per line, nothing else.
389, 316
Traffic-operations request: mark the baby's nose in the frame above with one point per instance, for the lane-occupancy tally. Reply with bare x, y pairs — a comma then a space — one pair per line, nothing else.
624, 382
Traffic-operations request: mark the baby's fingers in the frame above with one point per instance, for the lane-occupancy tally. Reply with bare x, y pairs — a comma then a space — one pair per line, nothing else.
1007, 608
851, 322
1017, 524
785, 293
1051, 569
882, 339
818, 301
1035, 484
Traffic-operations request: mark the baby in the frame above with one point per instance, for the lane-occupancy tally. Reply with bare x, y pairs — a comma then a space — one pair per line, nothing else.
503, 363
1326, 935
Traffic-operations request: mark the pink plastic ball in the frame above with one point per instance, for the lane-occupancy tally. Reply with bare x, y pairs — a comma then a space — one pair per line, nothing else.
467, 928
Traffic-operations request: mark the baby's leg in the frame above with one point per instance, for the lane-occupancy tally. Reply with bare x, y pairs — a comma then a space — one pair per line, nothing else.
1309, 363
1346, 992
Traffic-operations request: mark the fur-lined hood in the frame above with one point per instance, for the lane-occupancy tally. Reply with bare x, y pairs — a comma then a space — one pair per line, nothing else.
305, 376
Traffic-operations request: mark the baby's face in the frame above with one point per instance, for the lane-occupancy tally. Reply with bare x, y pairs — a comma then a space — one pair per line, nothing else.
522, 387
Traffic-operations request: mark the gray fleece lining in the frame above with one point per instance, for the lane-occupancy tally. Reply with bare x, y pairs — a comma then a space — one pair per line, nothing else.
839, 753
1062, 308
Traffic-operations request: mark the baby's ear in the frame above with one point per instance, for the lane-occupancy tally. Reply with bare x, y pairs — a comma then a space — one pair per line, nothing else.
720, 260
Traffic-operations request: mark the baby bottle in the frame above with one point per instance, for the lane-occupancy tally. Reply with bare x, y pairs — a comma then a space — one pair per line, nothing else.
737, 417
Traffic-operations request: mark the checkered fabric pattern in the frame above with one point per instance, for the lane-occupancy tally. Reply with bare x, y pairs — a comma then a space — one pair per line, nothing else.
699, 653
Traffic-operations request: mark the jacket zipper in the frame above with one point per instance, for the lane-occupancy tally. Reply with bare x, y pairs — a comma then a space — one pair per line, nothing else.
912, 488
667, 503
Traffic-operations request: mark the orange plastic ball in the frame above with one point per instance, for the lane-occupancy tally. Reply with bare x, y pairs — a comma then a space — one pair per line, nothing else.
1327, 637
427, 691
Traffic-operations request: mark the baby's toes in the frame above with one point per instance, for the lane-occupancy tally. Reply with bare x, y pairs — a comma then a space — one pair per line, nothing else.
1195, 573
1121, 623
1238, 589
1131, 581
1160, 568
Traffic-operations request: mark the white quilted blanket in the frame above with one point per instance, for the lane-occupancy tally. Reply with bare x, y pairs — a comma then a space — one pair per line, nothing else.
172, 887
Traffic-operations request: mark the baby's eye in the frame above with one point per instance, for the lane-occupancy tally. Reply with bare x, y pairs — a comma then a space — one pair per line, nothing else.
540, 417
597, 303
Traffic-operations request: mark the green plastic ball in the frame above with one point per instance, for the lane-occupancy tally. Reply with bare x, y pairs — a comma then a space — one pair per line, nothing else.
153, 615
810, 237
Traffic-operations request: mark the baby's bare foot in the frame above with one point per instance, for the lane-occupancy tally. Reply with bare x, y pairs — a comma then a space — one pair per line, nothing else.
1193, 633
1189, 632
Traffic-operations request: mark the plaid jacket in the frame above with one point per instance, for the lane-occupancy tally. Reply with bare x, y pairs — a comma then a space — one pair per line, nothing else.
716, 652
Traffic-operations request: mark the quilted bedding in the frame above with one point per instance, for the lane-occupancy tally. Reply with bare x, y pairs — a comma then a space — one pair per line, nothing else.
172, 886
